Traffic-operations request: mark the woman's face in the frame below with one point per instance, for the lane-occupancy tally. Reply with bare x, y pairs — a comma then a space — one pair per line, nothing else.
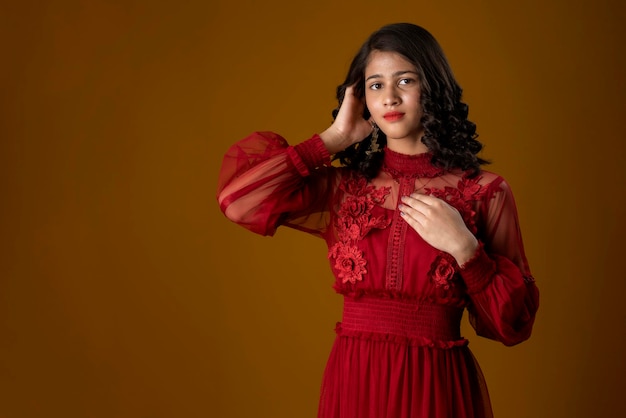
392, 95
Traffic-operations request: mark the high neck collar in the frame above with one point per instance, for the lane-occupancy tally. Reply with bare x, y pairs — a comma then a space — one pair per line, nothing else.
403, 165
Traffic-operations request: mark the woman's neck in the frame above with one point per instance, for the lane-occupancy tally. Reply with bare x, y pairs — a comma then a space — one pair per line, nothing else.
406, 146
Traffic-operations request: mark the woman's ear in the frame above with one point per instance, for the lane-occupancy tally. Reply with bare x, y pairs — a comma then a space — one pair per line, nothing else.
366, 113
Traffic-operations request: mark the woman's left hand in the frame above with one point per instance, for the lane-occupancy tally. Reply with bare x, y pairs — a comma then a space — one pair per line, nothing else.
440, 225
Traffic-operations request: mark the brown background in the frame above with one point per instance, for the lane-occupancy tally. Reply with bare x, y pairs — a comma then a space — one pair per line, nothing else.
125, 293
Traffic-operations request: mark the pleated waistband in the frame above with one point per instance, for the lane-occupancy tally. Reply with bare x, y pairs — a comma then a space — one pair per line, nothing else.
411, 319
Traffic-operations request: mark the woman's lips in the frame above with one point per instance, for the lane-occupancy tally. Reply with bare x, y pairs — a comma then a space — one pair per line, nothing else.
393, 116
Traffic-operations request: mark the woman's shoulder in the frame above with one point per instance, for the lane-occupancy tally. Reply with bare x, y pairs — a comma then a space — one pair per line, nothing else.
483, 183
482, 177
493, 183
487, 177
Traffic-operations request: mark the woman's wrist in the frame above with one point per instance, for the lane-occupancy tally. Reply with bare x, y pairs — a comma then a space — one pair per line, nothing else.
466, 251
333, 140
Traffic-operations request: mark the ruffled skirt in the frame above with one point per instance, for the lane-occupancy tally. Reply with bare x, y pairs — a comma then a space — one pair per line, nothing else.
372, 374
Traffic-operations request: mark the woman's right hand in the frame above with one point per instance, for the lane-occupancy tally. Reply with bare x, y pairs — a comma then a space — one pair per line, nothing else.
349, 126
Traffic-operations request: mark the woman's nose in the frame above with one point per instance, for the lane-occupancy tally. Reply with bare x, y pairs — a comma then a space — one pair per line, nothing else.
391, 97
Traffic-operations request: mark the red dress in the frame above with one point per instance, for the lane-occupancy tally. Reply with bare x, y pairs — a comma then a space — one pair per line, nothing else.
398, 351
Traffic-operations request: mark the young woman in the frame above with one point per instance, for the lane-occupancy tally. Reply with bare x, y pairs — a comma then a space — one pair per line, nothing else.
416, 232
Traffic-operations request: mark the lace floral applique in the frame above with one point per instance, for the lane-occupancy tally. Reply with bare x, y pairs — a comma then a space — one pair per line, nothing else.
462, 198
353, 223
349, 262
442, 271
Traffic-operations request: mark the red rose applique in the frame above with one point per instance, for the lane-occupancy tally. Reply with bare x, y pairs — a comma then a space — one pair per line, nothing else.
442, 271
349, 262
356, 206
354, 221
356, 186
462, 198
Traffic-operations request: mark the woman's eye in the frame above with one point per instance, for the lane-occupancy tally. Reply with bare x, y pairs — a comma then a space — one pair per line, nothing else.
405, 81
375, 86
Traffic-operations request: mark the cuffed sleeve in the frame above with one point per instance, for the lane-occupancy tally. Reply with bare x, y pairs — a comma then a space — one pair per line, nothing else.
478, 271
504, 300
264, 183
309, 155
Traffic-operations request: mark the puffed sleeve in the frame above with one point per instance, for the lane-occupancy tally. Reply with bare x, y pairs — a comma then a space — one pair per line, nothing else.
503, 294
264, 182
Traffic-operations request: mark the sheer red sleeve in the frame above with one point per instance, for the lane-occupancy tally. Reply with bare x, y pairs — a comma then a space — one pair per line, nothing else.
264, 183
504, 298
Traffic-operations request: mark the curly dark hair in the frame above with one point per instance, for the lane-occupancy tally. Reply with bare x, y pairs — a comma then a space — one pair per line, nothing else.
448, 134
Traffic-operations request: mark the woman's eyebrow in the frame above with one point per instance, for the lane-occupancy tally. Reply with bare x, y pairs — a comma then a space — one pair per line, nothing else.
396, 74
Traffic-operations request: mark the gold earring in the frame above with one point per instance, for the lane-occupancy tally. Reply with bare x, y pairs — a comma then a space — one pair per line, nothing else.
374, 146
